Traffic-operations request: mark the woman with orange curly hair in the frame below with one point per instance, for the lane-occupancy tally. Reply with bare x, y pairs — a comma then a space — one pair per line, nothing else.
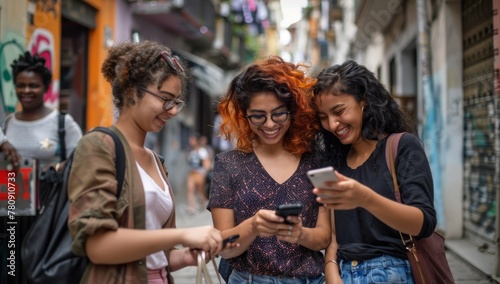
268, 111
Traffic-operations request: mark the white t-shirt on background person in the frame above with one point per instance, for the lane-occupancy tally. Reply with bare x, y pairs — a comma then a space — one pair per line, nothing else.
39, 139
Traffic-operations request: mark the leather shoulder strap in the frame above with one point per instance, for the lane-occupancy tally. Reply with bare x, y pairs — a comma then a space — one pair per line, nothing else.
391, 151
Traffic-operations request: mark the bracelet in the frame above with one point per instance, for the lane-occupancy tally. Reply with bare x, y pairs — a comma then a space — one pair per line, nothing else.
331, 261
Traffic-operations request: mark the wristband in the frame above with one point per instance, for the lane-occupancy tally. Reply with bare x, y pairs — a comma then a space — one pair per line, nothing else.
331, 261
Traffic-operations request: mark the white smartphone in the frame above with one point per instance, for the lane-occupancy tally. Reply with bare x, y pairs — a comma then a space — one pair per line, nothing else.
318, 177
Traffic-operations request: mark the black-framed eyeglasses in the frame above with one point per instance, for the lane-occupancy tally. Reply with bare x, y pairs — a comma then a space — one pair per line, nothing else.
172, 61
260, 119
167, 103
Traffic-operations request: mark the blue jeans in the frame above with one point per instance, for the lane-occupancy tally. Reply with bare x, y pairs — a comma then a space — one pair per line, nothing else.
240, 277
382, 269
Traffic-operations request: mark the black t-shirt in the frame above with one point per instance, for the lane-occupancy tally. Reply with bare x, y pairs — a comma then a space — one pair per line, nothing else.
361, 235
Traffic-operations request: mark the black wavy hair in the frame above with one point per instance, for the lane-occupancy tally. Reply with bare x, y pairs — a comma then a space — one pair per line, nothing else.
381, 114
32, 63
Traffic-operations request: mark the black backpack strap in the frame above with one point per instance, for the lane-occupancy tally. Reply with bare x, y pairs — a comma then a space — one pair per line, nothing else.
120, 157
62, 135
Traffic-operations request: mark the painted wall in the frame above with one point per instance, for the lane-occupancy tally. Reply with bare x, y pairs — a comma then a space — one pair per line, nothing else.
442, 128
99, 97
496, 45
13, 40
480, 125
44, 36
440, 117
123, 21
452, 109
41, 37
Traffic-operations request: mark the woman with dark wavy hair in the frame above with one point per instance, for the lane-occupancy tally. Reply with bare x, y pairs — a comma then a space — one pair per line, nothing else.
357, 114
268, 111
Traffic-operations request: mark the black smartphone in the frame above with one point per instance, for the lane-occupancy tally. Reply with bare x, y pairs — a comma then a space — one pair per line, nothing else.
230, 239
286, 210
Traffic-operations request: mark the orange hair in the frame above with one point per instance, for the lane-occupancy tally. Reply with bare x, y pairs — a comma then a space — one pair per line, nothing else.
290, 84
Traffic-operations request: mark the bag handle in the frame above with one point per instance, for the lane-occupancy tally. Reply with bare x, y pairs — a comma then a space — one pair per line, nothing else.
391, 151
202, 271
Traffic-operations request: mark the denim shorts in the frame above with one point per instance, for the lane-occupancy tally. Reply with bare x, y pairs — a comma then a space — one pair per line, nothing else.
382, 269
240, 277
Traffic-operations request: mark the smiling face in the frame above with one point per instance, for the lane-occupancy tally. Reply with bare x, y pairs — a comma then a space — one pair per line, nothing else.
149, 111
342, 115
30, 90
267, 104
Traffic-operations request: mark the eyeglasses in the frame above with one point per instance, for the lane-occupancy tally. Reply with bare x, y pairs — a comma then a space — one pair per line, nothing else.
168, 103
260, 119
172, 61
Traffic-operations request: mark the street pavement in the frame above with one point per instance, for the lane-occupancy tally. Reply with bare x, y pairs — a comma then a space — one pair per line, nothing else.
463, 272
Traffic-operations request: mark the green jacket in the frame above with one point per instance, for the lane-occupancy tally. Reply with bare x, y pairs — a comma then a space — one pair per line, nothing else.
92, 193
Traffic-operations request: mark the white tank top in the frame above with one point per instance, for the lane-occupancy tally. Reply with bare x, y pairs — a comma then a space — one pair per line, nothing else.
158, 209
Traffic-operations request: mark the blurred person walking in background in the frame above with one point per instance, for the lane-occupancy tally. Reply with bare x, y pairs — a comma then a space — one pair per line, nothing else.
199, 162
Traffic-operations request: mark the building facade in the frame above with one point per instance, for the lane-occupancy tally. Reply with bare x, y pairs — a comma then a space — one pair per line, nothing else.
214, 37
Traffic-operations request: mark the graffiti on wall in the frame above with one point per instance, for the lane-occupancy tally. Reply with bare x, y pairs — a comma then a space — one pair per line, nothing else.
480, 157
432, 137
9, 50
479, 162
37, 38
42, 43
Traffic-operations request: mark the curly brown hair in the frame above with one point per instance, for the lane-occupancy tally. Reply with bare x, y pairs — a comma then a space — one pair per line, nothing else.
290, 84
129, 64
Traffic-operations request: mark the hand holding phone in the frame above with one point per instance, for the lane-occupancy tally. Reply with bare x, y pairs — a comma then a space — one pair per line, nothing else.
230, 239
318, 177
286, 210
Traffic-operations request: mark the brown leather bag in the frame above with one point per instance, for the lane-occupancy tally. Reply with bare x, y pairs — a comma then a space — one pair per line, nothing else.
427, 255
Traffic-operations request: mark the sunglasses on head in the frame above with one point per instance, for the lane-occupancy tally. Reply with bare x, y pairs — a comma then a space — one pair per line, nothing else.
172, 61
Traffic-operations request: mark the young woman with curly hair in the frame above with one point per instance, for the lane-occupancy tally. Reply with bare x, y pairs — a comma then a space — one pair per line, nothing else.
132, 239
268, 111
357, 115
